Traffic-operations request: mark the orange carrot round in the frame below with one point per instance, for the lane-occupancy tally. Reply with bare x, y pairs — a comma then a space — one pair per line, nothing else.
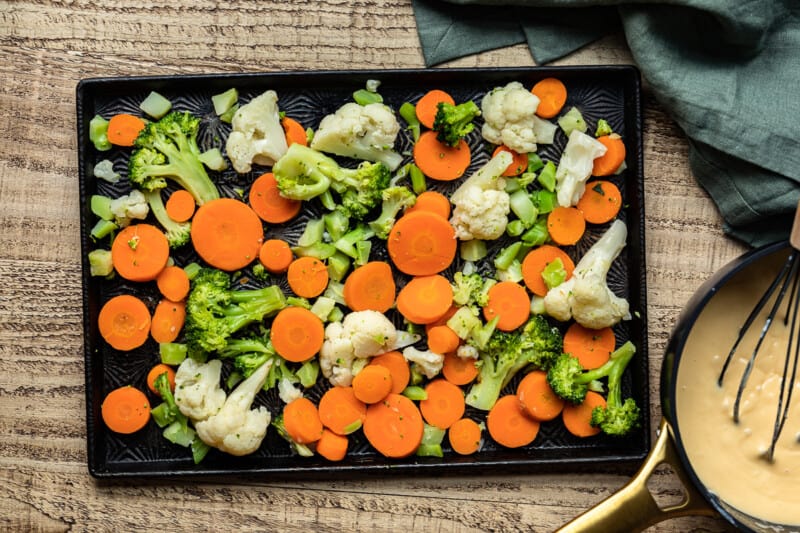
394, 426
601, 201
518, 165
267, 202
444, 404
340, 411
432, 201
123, 129
140, 252
156, 371
167, 321
180, 205
125, 410
464, 436
592, 347
372, 384
428, 106
275, 255
442, 339
397, 366
508, 425
370, 287
566, 225
552, 96
307, 277
578, 418
425, 299
173, 283
331, 446
608, 163
301, 419
422, 244
297, 334
440, 161
536, 397
537, 260
295, 132
227, 234
124, 322
509, 301
459, 370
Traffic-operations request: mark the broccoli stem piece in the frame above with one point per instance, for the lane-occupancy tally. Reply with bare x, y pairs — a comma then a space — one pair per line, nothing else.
409, 113
177, 233
300, 449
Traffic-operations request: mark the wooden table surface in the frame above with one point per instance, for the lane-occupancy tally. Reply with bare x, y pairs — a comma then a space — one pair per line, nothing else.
45, 48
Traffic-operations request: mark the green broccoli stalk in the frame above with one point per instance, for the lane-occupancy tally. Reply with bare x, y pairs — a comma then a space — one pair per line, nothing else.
168, 149
454, 122
167, 415
178, 233
249, 353
395, 199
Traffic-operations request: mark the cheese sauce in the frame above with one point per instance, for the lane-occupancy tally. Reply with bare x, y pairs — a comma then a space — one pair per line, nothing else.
726, 456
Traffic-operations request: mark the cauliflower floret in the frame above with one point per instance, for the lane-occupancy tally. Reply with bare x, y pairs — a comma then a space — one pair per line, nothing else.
235, 428
105, 171
197, 390
128, 207
287, 392
430, 363
365, 132
257, 135
586, 296
575, 167
481, 205
467, 351
510, 119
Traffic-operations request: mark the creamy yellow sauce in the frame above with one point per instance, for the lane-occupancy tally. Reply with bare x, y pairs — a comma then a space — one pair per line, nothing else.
728, 457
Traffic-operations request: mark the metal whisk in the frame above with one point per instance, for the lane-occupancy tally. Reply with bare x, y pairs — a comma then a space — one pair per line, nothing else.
788, 278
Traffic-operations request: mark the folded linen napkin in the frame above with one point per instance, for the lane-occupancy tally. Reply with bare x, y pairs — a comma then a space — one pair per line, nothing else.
728, 71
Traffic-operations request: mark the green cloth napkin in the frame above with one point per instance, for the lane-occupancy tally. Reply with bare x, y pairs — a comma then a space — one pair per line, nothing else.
728, 71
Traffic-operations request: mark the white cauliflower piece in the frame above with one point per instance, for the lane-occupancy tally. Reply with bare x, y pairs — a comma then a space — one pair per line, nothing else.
575, 167
128, 207
336, 356
105, 171
287, 392
257, 135
235, 428
586, 296
480, 204
510, 118
466, 351
197, 391
430, 363
365, 132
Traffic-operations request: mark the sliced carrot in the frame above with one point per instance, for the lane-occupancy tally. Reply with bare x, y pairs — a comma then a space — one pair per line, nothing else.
123, 129
370, 286
372, 384
156, 371
124, 322
295, 132
140, 252
331, 446
566, 225
173, 283
444, 404
422, 244
301, 419
601, 201
592, 347
508, 424
307, 277
267, 202
397, 366
442, 339
608, 163
432, 201
428, 106
275, 255
425, 299
440, 161
537, 260
552, 96
518, 165
125, 410
578, 418
227, 234
459, 370
464, 436
509, 301
167, 321
536, 397
340, 411
394, 426
297, 334
180, 205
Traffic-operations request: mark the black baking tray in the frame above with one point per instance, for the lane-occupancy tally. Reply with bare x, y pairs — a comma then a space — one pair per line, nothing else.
609, 92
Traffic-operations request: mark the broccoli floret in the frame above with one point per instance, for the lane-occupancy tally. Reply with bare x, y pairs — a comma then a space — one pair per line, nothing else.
471, 289
542, 341
178, 233
454, 122
168, 149
395, 199
214, 312
304, 173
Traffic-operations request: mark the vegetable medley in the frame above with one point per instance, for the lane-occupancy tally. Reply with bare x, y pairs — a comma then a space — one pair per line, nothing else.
408, 350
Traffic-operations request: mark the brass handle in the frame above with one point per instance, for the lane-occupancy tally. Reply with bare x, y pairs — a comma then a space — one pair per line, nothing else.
633, 508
